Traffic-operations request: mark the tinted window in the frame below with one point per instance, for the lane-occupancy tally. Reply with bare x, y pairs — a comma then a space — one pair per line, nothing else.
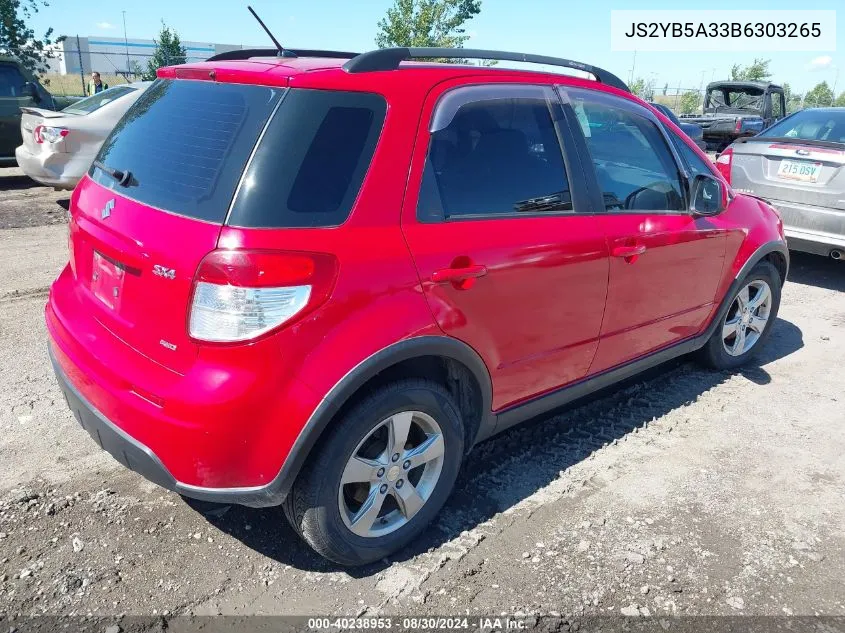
11, 81
815, 125
97, 101
311, 162
634, 166
186, 144
496, 156
694, 162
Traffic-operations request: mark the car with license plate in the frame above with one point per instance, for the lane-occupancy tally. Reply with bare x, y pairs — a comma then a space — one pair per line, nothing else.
59, 147
798, 166
20, 88
319, 280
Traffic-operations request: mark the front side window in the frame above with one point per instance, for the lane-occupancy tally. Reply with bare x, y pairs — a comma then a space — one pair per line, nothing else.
11, 81
696, 164
634, 166
497, 156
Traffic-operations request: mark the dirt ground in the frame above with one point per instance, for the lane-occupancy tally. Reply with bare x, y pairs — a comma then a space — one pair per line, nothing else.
686, 492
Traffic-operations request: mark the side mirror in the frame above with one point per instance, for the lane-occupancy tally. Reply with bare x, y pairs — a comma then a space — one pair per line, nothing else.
29, 90
708, 195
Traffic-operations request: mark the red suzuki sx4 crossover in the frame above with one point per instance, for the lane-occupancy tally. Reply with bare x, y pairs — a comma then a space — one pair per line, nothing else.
318, 280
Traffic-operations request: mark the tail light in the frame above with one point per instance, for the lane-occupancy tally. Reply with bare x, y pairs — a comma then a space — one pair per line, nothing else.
240, 295
738, 125
49, 134
723, 163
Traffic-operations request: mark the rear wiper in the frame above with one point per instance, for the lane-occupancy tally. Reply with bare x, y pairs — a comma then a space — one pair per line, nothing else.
122, 177
560, 201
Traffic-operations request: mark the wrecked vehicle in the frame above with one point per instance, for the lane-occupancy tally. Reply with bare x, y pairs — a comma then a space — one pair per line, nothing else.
733, 109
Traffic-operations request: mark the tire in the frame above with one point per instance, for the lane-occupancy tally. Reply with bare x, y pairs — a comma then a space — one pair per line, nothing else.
715, 352
323, 510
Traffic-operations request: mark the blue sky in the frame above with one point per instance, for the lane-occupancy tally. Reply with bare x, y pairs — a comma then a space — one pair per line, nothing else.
564, 28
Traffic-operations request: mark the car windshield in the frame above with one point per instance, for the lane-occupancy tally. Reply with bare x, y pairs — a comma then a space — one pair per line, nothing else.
97, 101
749, 98
811, 125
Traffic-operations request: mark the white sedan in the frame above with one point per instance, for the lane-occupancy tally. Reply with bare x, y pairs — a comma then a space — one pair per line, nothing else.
59, 147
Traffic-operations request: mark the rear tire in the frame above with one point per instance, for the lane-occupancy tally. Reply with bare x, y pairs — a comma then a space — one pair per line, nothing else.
366, 493
743, 330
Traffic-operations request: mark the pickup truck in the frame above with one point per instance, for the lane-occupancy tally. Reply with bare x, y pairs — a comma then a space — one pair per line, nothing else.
733, 109
20, 88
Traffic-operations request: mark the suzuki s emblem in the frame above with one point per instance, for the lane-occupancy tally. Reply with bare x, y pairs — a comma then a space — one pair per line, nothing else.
162, 271
802, 152
106, 212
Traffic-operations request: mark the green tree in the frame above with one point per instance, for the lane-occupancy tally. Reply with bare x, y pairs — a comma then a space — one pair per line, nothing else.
820, 95
426, 23
642, 88
757, 71
169, 52
793, 99
690, 101
18, 40
840, 100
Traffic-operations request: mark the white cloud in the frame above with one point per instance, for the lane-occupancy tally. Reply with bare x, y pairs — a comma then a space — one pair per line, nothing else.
821, 63
105, 26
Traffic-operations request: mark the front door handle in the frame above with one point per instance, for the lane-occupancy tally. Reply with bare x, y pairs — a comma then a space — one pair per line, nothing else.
628, 251
458, 274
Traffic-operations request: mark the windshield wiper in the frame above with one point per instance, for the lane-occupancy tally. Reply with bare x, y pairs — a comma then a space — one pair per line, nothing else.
122, 177
560, 201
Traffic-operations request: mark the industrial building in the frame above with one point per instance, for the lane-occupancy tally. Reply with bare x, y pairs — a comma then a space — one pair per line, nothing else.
114, 55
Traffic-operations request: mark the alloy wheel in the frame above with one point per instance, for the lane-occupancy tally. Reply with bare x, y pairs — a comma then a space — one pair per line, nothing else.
747, 318
391, 474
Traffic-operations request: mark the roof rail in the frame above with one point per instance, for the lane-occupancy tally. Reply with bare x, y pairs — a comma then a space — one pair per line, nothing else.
246, 53
390, 58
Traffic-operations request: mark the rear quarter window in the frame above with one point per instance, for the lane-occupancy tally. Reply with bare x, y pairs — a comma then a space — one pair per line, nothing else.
308, 168
186, 144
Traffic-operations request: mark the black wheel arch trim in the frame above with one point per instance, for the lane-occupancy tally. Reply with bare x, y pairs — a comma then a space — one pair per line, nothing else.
407, 349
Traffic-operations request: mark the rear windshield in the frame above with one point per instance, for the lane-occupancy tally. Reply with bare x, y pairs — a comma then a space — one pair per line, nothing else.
186, 143
308, 169
97, 101
811, 125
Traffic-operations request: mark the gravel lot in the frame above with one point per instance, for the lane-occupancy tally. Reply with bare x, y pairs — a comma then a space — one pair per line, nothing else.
685, 492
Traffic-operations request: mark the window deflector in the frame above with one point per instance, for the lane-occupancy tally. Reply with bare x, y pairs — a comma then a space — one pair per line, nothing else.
453, 100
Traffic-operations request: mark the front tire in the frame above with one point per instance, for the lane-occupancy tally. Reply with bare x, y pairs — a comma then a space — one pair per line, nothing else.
385, 470
744, 328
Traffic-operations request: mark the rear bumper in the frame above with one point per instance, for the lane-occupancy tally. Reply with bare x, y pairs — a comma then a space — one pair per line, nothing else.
812, 229
58, 170
213, 433
140, 459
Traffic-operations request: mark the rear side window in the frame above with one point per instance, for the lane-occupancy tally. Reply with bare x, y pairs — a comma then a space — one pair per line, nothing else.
97, 101
186, 143
11, 81
309, 166
497, 156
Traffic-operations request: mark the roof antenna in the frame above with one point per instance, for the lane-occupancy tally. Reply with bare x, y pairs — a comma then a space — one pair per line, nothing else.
279, 47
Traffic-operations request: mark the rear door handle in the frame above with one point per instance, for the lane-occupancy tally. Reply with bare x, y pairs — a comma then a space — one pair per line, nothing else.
458, 274
628, 251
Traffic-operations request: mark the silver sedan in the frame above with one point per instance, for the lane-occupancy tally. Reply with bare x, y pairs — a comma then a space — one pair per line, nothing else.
798, 165
59, 147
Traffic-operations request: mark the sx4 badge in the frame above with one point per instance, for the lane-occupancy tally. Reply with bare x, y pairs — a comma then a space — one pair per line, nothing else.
163, 271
